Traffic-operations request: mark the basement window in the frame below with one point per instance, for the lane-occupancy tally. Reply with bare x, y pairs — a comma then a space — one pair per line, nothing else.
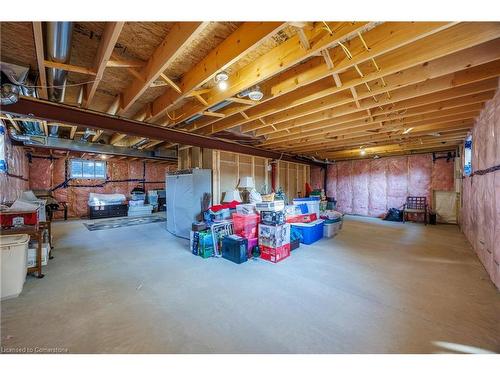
468, 156
90, 169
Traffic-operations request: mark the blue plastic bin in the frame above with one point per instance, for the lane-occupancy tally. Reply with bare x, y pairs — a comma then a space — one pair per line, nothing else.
311, 232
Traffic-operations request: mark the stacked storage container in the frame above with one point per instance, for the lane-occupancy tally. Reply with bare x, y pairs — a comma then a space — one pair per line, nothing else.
274, 233
245, 225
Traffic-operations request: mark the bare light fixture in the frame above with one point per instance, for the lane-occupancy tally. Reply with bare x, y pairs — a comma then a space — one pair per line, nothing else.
362, 151
221, 80
406, 131
255, 93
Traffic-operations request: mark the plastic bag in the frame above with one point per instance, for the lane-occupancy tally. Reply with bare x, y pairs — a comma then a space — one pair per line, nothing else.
394, 215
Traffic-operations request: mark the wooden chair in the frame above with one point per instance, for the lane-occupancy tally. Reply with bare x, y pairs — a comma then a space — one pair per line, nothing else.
415, 205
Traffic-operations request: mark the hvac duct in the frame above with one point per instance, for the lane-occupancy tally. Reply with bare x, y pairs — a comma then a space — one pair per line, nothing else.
58, 35
26, 139
58, 50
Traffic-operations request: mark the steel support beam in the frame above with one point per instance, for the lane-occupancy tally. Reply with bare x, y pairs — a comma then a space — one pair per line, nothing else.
44, 110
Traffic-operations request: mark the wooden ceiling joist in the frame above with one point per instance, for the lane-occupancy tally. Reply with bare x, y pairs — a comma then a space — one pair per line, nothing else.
246, 38
274, 62
181, 34
40, 58
431, 47
403, 82
108, 41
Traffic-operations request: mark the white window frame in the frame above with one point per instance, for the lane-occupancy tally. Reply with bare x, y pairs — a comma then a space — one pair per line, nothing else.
71, 161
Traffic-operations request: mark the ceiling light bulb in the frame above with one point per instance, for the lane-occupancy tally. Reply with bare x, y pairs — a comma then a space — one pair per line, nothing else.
362, 151
222, 85
104, 156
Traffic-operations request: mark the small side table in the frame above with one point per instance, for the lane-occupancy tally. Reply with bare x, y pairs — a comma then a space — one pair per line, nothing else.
36, 232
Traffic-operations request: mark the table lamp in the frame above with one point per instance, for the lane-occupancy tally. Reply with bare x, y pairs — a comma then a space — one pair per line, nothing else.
245, 184
231, 195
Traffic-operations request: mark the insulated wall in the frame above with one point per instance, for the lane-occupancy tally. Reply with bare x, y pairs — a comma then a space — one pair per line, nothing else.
48, 174
370, 187
480, 213
15, 181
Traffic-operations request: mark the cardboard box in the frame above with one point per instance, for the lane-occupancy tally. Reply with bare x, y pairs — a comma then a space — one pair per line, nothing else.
274, 235
31, 259
270, 206
275, 254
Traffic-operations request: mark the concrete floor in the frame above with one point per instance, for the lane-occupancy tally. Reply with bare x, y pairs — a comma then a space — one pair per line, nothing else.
378, 287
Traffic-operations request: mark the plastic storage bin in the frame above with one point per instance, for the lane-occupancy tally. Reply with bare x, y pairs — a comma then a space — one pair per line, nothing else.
14, 251
143, 210
246, 225
312, 204
311, 232
331, 229
234, 248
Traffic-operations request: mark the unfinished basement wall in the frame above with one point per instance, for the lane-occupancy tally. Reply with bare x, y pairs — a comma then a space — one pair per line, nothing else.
228, 167
480, 212
50, 174
15, 181
369, 187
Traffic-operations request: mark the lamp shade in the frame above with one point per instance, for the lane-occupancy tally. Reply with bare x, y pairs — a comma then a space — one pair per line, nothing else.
246, 182
232, 195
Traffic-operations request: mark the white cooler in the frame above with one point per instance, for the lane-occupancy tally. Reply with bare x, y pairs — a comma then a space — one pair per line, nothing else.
14, 250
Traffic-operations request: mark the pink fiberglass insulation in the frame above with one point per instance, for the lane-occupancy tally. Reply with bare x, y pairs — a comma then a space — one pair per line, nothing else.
77, 196
480, 213
331, 180
344, 186
360, 181
397, 181
41, 174
496, 238
11, 187
442, 175
317, 177
377, 200
419, 176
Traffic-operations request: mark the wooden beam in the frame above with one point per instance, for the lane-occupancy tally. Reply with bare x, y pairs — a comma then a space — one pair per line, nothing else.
241, 101
109, 38
213, 114
371, 120
97, 135
304, 41
73, 132
436, 46
243, 40
13, 123
274, 62
431, 70
117, 137
171, 83
124, 63
181, 34
40, 58
70, 68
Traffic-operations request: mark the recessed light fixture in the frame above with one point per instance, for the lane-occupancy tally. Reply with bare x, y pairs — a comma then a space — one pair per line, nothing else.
221, 80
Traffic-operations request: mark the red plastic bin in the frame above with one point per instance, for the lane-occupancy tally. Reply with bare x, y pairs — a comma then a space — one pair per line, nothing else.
18, 218
275, 254
246, 225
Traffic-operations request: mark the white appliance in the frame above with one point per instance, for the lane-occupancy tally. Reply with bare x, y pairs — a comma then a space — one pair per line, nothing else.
184, 191
14, 251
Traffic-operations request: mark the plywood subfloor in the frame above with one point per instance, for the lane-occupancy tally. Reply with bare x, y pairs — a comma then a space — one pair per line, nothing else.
377, 287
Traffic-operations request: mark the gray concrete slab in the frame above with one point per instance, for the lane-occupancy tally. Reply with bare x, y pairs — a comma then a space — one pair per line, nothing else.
378, 287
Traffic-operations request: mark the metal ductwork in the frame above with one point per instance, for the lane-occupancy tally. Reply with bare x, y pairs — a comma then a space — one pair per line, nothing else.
58, 44
26, 139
